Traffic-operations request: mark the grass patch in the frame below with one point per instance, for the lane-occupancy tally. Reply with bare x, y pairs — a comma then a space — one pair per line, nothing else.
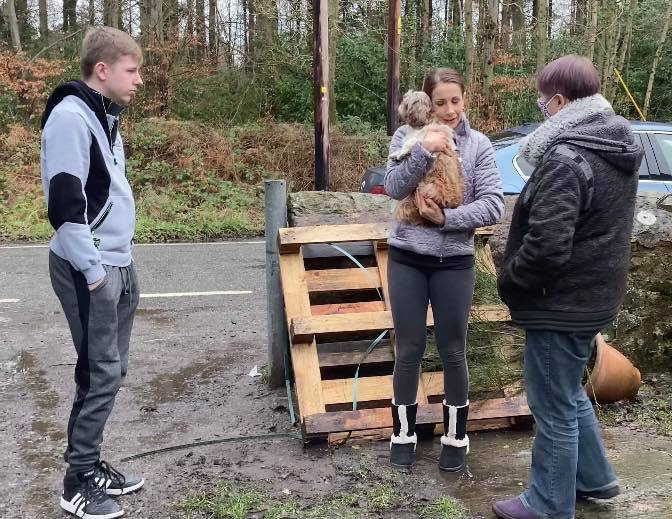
365, 500
442, 508
226, 503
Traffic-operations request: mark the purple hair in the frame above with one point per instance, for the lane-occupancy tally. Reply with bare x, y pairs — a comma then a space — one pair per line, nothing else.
572, 76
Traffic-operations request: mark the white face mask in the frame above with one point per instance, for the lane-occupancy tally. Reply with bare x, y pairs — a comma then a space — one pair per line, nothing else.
543, 106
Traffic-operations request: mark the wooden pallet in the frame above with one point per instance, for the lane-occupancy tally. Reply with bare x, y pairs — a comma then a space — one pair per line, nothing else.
334, 309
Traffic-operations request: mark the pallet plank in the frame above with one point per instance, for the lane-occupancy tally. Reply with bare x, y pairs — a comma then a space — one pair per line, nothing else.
290, 239
385, 433
348, 308
335, 280
339, 391
381, 260
337, 421
335, 354
303, 329
305, 361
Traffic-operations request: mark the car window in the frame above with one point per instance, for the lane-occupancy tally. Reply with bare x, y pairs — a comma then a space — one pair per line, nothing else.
523, 165
662, 145
644, 166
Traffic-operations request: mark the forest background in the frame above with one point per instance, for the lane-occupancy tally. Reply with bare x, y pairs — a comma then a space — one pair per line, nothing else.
227, 100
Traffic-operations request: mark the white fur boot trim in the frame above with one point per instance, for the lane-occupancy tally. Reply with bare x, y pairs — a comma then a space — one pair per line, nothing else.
451, 441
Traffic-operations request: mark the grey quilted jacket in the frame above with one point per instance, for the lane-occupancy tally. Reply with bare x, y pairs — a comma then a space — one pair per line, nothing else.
483, 199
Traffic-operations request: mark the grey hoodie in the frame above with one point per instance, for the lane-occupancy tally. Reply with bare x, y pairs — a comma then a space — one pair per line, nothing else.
483, 198
89, 199
567, 255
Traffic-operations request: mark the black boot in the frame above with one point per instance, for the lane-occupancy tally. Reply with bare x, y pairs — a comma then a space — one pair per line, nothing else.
455, 442
404, 439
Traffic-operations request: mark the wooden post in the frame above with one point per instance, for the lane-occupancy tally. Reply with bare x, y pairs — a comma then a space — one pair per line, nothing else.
321, 92
275, 200
393, 46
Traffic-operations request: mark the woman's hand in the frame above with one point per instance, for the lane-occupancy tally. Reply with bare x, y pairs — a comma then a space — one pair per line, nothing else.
429, 209
436, 141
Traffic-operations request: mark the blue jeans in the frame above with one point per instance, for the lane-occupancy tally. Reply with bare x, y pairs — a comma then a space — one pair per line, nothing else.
567, 453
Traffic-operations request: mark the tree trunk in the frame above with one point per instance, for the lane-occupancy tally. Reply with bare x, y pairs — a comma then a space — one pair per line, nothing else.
92, 13
469, 41
549, 18
170, 19
200, 27
591, 31
110, 13
457, 13
488, 36
156, 21
251, 33
541, 30
213, 30
69, 15
612, 37
659, 49
190, 17
505, 31
423, 36
519, 39
627, 37
13, 23
44, 21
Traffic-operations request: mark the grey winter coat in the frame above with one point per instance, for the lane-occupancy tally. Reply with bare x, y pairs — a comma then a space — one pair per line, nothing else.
567, 255
483, 199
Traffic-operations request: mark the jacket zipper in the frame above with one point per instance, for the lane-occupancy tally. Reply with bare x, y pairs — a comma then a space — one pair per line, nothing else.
102, 216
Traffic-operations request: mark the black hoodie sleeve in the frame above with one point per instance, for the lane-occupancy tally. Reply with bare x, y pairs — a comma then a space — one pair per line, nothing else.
553, 210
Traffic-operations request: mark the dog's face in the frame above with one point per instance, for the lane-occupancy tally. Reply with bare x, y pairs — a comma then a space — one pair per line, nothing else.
415, 109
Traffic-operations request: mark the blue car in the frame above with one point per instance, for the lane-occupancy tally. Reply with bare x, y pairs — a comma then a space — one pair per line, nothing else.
655, 173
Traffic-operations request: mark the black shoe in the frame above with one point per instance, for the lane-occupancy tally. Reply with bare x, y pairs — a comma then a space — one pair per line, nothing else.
455, 442
85, 499
114, 482
402, 455
452, 459
606, 493
404, 439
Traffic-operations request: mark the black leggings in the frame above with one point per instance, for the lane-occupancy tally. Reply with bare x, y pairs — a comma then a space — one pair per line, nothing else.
450, 292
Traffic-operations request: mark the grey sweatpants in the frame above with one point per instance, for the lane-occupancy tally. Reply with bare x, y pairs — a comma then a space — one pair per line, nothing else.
100, 323
450, 292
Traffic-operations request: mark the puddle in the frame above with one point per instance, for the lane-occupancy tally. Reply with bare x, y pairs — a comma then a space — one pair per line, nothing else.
42, 447
170, 387
499, 463
44, 398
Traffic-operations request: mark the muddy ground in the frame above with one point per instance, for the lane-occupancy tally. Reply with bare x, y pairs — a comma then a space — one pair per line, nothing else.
188, 382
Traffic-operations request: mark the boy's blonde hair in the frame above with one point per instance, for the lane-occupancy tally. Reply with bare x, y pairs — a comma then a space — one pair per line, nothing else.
106, 44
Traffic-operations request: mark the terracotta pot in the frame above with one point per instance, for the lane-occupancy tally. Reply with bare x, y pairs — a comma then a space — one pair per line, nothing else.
613, 377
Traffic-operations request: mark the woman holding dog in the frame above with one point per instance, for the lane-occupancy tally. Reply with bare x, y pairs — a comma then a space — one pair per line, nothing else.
434, 263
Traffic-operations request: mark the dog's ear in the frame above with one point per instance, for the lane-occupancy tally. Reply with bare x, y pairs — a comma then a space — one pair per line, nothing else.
404, 106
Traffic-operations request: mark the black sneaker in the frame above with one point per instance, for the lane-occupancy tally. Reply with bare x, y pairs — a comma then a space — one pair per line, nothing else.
87, 500
114, 482
606, 493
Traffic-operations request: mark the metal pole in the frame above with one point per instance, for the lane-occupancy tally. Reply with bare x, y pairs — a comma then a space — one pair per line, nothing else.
321, 92
275, 199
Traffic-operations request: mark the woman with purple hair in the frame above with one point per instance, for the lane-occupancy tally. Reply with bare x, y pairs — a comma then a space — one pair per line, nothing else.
563, 278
